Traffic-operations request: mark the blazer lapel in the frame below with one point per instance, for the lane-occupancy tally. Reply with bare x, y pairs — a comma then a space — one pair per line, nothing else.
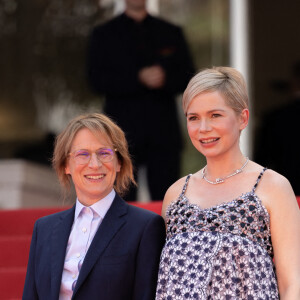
59, 242
110, 225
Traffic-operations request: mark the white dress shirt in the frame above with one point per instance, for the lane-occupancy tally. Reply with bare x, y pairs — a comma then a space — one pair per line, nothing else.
87, 220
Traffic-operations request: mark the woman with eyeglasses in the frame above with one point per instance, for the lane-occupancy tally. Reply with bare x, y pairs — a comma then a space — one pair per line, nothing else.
233, 227
101, 248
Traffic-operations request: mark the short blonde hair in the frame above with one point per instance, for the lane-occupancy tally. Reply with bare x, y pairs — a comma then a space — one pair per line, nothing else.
226, 80
97, 123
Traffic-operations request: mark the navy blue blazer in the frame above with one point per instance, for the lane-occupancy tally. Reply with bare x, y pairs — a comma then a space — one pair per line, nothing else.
121, 263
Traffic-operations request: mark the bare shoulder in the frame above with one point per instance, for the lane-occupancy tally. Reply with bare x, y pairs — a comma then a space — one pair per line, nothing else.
276, 191
276, 183
173, 193
272, 182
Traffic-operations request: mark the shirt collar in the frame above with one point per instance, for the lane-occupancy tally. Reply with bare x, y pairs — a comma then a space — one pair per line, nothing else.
100, 207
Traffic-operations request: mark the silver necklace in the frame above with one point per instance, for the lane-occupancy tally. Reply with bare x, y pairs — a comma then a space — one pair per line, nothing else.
221, 180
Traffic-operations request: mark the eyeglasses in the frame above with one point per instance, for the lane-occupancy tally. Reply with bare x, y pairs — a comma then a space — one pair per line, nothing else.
82, 157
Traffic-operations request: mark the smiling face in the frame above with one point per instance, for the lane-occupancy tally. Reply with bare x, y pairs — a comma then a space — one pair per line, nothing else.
214, 127
94, 180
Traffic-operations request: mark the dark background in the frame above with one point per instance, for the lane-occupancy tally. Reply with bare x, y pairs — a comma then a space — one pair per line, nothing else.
42, 59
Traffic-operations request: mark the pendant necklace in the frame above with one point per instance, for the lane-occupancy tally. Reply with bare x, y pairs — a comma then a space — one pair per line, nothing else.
221, 180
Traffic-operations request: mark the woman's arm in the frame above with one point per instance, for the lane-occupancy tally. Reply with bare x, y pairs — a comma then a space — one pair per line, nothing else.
285, 234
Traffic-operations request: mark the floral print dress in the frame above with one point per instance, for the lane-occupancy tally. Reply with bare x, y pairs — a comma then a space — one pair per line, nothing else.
223, 252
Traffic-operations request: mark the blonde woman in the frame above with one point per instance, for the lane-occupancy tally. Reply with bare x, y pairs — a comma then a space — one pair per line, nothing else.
228, 221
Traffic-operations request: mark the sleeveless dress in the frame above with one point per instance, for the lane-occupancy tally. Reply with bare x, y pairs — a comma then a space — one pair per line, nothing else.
223, 252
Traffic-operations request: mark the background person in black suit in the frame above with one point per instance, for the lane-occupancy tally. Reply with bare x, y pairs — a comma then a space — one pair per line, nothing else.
101, 248
277, 144
140, 63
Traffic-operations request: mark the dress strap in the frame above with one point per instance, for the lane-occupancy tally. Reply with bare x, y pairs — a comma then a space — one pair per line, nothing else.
258, 179
185, 184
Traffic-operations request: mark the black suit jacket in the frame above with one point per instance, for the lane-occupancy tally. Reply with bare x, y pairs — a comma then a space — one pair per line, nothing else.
276, 147
121, 263
118, 50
